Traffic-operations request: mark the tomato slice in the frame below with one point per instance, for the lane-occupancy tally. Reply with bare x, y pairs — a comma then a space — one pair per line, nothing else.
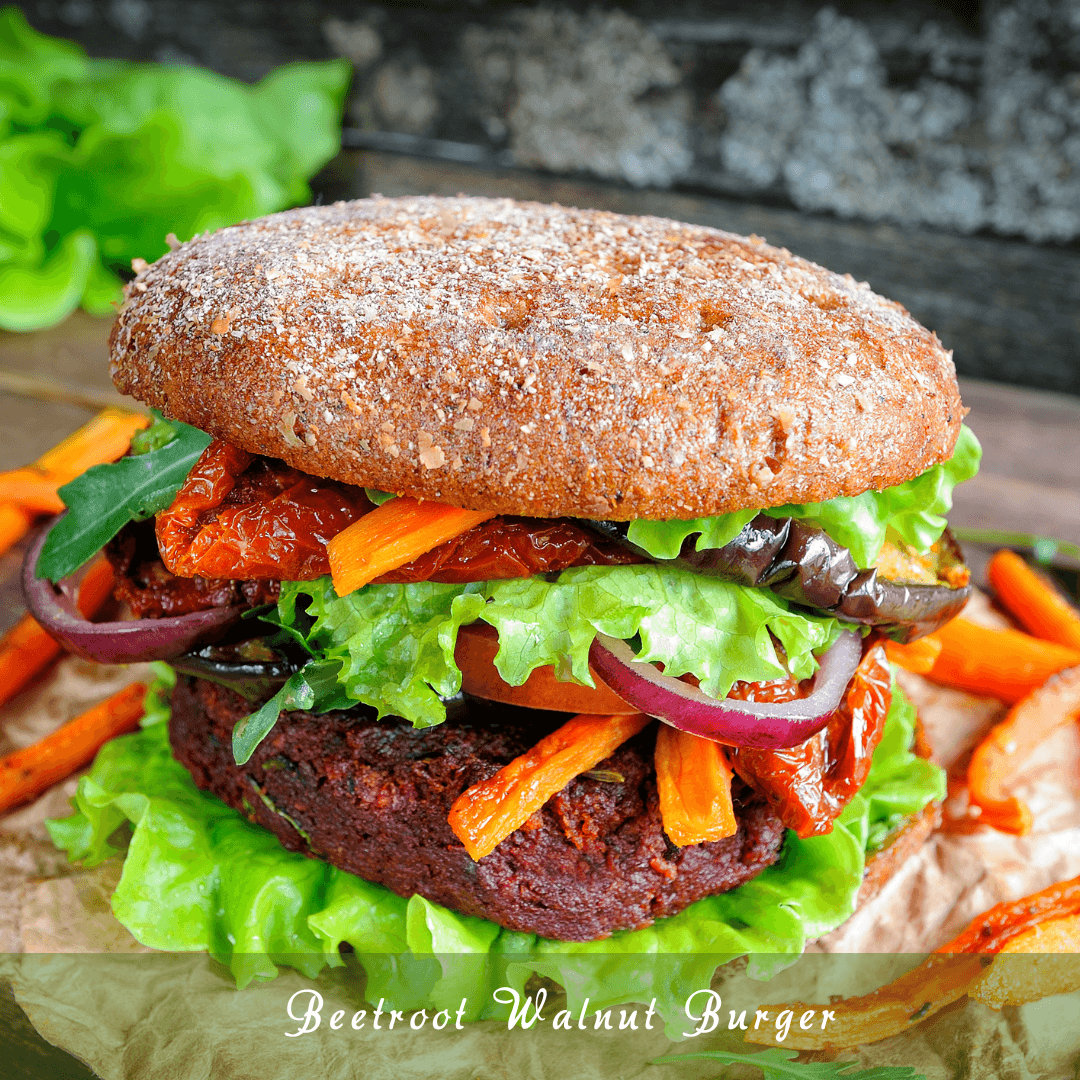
477, 645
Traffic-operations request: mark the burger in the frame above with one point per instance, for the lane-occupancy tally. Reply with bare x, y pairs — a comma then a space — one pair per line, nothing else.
526, 575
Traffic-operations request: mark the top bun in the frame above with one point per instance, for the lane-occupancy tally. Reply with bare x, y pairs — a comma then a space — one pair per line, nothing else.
537, 360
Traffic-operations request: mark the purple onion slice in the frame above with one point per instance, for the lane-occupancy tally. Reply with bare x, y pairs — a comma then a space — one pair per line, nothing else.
766, 725
115, 642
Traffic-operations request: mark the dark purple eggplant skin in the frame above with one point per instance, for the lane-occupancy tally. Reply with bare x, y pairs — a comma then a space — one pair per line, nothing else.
255, 680
803, 564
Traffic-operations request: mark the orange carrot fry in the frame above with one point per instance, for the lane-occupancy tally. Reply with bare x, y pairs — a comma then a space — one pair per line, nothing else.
487, 813
1016, 976
898, 1007
1053, 936
105, 438
1029, 722
30, 491
95, 588
14, 525
1034, 602
993, 929
26, 649
940, 979
917, 656
1005, 664
26, 773
392, 535
693, 780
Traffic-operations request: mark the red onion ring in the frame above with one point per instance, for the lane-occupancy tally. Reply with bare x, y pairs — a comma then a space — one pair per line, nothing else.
114, 642
766, 725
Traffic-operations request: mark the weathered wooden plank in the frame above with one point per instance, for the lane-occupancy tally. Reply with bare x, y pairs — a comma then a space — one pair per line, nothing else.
1011, 311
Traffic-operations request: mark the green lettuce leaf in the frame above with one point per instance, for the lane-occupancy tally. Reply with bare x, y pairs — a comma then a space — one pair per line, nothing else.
198, 876
105, 498
913, 512
32, 66
101, 159
394, 644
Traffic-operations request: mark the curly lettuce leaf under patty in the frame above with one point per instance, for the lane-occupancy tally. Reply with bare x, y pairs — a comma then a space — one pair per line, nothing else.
198, 876
912, 512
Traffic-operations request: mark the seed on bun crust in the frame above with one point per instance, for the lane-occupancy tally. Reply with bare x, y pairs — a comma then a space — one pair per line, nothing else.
538, 360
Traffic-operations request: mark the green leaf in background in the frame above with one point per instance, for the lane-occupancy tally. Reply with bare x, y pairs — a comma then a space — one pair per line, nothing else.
48, 292
777, 1064
106, 497
126, 153
29, 166
912, 512
31, 67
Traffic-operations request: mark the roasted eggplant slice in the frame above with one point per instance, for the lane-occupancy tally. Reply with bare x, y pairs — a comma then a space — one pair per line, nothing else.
806, 566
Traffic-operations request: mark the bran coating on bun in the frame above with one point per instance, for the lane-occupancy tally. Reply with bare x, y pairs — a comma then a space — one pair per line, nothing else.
538, 360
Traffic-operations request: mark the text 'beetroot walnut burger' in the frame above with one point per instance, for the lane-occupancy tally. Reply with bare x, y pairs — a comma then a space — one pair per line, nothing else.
454, 498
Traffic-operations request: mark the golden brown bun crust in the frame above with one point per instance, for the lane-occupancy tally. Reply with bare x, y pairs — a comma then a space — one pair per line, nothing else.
538, 360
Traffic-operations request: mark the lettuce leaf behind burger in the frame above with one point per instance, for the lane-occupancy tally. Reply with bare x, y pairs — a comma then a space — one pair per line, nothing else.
198, 876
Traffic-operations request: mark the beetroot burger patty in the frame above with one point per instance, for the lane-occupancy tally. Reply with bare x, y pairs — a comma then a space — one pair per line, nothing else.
372, 798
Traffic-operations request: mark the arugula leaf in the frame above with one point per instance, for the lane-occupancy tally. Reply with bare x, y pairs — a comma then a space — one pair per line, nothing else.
314, 686
105, 498
777, 1064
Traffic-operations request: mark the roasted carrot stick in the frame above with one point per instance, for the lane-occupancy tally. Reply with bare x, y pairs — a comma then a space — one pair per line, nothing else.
917, 656
487, 813
1015, 978
31, 492
1005, 664
26, 649
993, 929
1029, 722
392, 535
900, 1006
25, 774
693, 780
105, 438
14, 525
1035, 603
937, 981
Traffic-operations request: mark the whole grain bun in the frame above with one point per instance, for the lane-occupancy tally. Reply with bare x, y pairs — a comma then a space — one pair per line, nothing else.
537, 360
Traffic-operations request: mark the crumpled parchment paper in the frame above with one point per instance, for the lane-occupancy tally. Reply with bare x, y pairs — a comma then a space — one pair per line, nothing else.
90, 988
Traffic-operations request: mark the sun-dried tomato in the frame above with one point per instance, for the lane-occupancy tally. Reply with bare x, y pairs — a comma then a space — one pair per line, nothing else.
152, 592
811, 784
512, 548
238, 516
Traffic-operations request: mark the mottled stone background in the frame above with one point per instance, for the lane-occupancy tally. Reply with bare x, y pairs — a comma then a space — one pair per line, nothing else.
957, 118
